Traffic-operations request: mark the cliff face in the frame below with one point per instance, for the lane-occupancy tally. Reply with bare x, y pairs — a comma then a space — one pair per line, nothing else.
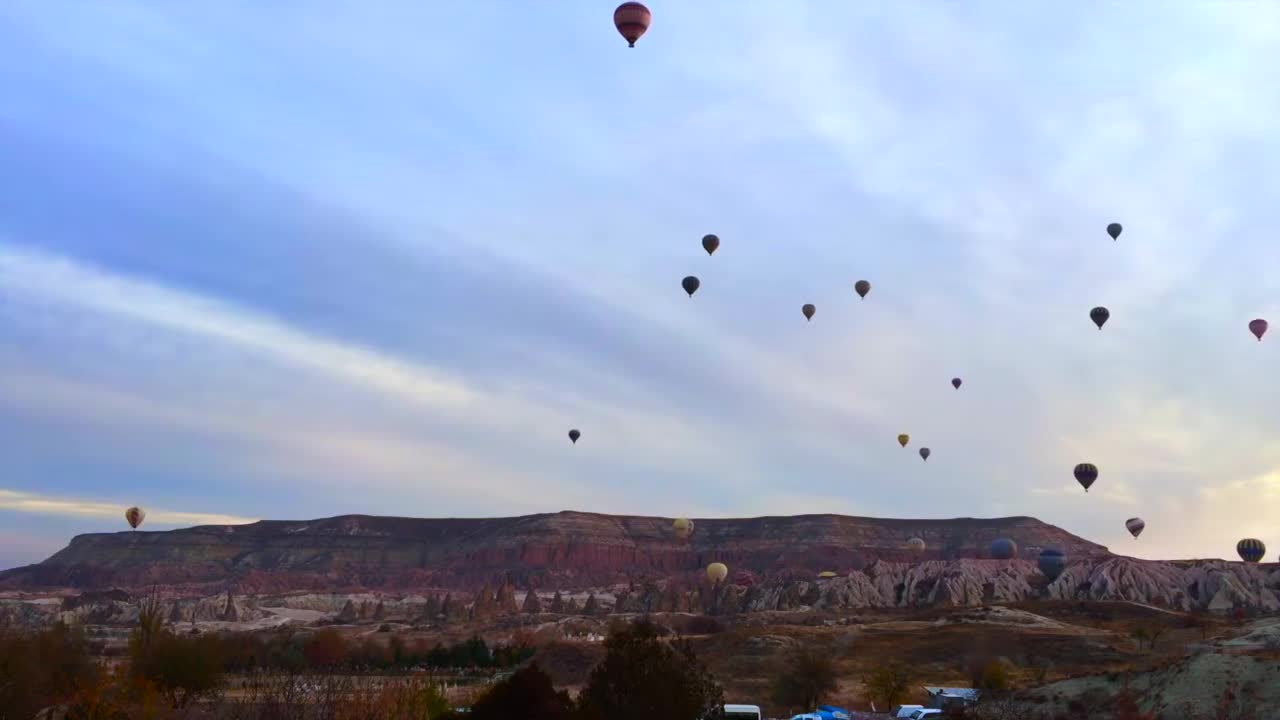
567, 549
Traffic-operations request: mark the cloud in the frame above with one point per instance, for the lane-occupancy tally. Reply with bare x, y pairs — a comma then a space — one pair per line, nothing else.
25, 502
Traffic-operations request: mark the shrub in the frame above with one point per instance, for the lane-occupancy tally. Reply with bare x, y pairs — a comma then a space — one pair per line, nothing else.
807, 676
644, 677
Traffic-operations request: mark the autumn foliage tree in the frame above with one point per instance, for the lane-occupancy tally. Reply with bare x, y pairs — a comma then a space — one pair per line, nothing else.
808, 676
643, 677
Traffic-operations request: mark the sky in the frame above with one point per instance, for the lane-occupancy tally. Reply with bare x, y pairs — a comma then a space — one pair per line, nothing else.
299, 259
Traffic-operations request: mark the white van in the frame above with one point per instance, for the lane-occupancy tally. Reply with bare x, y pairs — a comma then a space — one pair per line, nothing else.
742, 712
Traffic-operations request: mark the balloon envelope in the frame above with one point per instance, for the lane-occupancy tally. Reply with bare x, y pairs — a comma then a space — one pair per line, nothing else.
1135, 526
1099, 315
1114, 230
808, 311
1004, 549
1251, 550
924, 453
632, 20
826, 575
690, 285
1052, 562
955, 383
862, 287
134, 516
574, 435
710, 243
1086, 474
916, 545
1258, 328
683, 528
903, 439
717, 572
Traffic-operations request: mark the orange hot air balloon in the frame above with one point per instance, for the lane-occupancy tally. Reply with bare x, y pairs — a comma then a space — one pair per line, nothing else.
134, 516
632, 20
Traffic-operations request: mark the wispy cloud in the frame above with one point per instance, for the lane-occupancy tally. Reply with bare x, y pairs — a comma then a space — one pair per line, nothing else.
25, 502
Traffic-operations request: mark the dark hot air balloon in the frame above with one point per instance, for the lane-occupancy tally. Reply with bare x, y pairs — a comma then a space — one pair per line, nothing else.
134, 516
1251, 550
808, 311
1258, 328
903, 439
1134, 526
1114, 230
862, 287
916, 545
574, 435
1003, 549
710, 243
1086, 474
1099, 316
924, 453
955, 383
690, 285
1052, 562
632, 20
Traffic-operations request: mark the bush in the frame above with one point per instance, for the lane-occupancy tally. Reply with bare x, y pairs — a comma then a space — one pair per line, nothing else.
889, 682
526, 694
184, 669
808, 675
42, 668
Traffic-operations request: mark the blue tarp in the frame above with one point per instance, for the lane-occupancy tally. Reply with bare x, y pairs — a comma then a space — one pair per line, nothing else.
831, 712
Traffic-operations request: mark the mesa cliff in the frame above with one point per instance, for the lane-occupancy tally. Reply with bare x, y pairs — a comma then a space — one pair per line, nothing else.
559, 550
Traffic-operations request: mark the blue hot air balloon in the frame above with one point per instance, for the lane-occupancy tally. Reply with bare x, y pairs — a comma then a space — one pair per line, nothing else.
1004, 549
1052, 562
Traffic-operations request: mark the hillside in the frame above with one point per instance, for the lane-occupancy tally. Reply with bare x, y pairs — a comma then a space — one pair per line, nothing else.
566, 549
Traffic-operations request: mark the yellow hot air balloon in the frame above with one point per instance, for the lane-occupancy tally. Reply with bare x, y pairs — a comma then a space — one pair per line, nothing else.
717, 572
134, 516
826, 574
683, 528
903, 439
915, 545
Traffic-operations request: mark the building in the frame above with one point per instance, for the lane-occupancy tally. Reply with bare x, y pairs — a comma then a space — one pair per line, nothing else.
943, 698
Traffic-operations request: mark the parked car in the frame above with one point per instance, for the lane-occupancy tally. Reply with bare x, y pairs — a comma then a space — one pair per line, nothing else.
742, 712
904, 711
925, 713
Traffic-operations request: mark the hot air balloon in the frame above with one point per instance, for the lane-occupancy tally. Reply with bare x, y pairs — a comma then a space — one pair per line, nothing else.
862, 287
1003, 549
1258, 328
808, 311
826, 575
690, 285
574, 435
1099, 315
1114, 230
1251, 550
924, 454
1052, 562
955, 383
631, 19
1086, 474
710, 243
742, 578
717, 572
916, 545
1135, 526
134, 516
903, 439
683, 528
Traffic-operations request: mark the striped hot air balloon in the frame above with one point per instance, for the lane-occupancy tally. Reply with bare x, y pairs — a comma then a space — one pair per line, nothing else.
1251, 550
1135, 526
1086, 474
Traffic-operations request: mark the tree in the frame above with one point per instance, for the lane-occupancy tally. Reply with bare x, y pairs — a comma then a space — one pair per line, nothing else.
527, 694
325, 649
889, 682
183, 669
808, 676
644, 677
